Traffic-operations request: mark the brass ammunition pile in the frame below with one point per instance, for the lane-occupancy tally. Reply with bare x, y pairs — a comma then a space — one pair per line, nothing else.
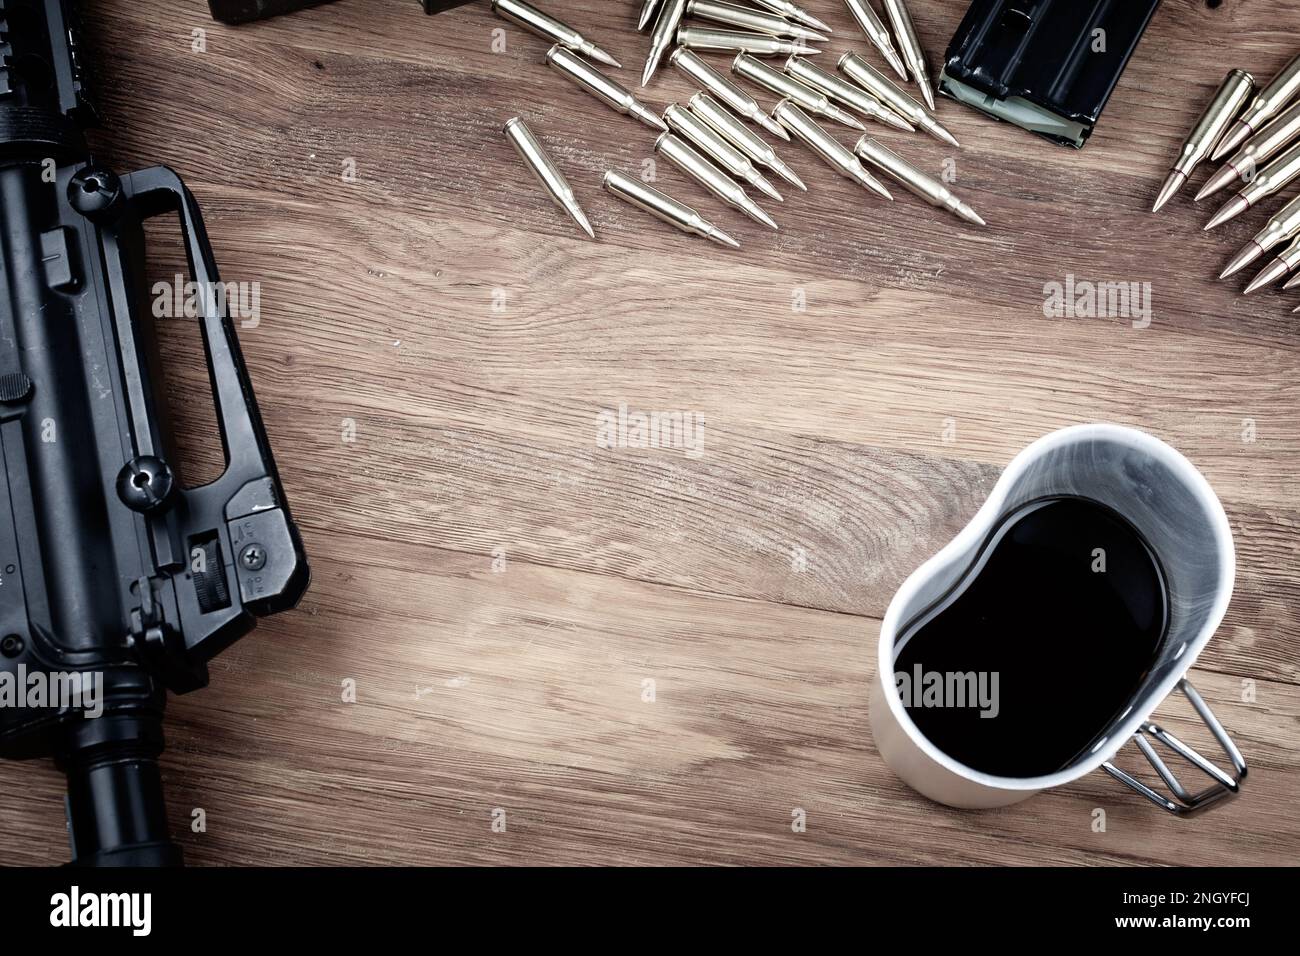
708, 139
1257, 137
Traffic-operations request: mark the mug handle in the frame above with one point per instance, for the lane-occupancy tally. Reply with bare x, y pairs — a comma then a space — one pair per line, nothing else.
1185, 803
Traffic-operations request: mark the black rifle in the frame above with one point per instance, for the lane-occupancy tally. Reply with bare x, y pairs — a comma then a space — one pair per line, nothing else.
112, 573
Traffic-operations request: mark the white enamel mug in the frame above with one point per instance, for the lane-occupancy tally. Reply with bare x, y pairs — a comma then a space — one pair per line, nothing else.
1173, 507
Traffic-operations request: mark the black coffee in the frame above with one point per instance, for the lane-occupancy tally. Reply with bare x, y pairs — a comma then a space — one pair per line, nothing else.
1021, 666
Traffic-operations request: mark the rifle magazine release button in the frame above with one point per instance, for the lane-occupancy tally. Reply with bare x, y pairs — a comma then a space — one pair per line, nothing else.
15, 387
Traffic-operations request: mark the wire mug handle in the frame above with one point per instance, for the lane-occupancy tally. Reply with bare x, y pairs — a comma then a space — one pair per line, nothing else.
1183, 802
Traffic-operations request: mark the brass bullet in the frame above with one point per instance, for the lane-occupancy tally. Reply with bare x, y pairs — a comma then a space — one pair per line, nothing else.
609, 92
810, 74
835, 154
1260, 148
1281, 227
661, 38
740, 136
877, 33
546, 171
1274, 177
728, 92
857, 69
787, 9
910, 44
755, 21
1272, 99
814, 101
920, 183
682, 121
542, 24
1222, 110
678, 152
728, 41
663, 206
1286, 262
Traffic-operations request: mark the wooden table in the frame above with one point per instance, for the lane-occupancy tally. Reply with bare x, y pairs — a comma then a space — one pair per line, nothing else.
648, 655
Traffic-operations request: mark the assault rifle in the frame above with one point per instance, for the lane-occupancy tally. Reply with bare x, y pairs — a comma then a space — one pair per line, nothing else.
117, 582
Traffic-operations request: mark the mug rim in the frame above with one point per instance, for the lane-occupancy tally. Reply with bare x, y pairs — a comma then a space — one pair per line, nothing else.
971, 535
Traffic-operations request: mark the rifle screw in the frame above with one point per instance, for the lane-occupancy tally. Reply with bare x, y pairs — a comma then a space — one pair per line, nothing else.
11, 645
94, 193
253, 557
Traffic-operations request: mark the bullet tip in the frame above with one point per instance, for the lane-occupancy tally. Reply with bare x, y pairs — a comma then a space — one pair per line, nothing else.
600, 56
788, 174
923, 82
891, 57
970, 215
1292, 282
807, 19
1173, 182
1252, 251
1230, 210
941, 134
757, 212
1270, 274
761, 183
1220, 180
649, 117
720, 237
575, 212
870, 182
890, 118
647, 74
772, 126
1233, 138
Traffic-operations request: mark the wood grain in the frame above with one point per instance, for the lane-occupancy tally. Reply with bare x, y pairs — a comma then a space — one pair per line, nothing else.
442, 305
